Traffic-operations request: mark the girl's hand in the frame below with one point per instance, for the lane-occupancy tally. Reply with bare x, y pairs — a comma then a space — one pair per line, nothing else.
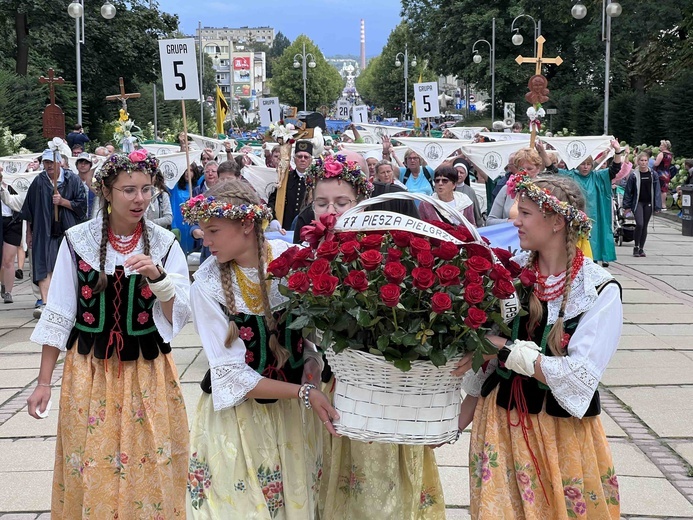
311, 371
38, 401
321, 406
142, 264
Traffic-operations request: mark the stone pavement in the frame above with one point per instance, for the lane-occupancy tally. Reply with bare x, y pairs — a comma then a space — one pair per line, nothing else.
647, 394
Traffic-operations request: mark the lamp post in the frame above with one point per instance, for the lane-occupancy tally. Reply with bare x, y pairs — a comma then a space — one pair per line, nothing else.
398, 63
76, 11
492, 56
517, 37
303, 63
611, 10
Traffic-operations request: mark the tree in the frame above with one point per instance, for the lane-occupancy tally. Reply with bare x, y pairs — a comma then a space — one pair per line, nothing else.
324, 84
279, 45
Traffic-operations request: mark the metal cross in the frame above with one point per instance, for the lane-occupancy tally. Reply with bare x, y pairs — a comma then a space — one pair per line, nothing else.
52, 81
539, 58
123, 97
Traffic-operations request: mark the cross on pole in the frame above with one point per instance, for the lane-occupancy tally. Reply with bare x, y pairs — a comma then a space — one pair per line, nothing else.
52, 81
123, 97
539, 59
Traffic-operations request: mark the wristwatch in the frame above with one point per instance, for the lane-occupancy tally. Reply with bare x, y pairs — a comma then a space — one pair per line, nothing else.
162, 275
504, 352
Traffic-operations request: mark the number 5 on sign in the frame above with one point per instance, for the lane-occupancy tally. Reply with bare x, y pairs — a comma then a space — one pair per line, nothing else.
269, 111
359, 114
426, 96
179, 69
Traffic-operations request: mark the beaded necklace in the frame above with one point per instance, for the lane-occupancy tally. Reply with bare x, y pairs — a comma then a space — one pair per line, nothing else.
547, 292
128, 244
250, 290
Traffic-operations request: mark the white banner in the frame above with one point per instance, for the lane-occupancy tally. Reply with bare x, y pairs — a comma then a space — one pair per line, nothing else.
162, 149
380, 130
506, 136
16, 164
363, 149
217, 145
20, 181
263, 179
173, 165
466, 132
434, 151
574, 150
491, 158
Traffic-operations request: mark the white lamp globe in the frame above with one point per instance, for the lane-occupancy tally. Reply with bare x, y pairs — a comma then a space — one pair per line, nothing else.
477, 58
398, 63
614, 9
75, 10
413, 62
311, 64
578, 11
108, 10
296, 64
517, 39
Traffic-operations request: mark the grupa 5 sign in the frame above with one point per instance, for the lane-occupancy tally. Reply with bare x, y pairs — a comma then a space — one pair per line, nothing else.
179, 69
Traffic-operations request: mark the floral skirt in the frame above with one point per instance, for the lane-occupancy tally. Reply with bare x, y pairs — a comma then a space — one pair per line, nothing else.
379, 481
122, 445
571, 475
254, 461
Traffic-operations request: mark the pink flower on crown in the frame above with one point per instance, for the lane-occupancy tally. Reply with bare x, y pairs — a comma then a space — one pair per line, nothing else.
138, 155
332, 168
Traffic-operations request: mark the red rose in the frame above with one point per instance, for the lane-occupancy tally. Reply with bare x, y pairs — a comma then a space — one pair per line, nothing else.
279, 267
346, 236
299, 282
446, 251
313, 234
350, 250
423, 277
514, 268
290, 253
418, 245
503, 255
471, 277
370, 260
462, 233
478, 250
401, 238
528, 277
395, 272
478, 264
475, 318
445, 226
329, 220
498, 272
302, 258
86, 292
503, 289
441, 302
425, 259
474, 293
371, 242
324, 284
448, 275
394, 254
320, 266
357, 280
389, 294
328, 250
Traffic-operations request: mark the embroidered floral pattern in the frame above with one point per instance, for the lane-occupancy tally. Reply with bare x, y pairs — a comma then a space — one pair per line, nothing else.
199, 479
246, 333
240, 486
98, 417
86, 292
146, 292
428, 498
249, 356
610, 486
84, 267
142, 317
481, 463
574, 497
164, 452
352, 485
526, 481
153, 511
74, 462
118, 461
317, 476
88, 317
272, 488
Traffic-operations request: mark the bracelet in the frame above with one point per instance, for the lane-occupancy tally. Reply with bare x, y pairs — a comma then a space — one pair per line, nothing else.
304, 393
621, 152
44, 384
457, 437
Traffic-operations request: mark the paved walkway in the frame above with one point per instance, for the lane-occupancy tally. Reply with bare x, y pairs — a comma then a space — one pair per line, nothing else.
647, 394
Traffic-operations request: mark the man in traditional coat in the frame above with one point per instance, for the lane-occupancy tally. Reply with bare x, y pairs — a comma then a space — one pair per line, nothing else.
296, 185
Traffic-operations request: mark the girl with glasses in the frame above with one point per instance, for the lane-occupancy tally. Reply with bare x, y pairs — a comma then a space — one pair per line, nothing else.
120, 298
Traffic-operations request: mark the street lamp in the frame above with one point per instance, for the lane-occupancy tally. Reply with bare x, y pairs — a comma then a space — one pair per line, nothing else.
398, 63
517, 38
612, 10
492, 57
76, 11
304, 61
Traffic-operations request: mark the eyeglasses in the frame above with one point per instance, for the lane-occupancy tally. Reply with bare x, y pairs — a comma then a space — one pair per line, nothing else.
441, 180
130, 192
339, 205
303, 157
414, 158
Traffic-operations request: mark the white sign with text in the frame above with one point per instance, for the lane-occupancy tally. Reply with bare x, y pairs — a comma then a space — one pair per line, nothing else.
342, 109
426, 96
269, 111
179, 69
359, 114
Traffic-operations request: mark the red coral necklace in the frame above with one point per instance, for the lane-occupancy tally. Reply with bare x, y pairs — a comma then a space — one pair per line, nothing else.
128, 244
547, 292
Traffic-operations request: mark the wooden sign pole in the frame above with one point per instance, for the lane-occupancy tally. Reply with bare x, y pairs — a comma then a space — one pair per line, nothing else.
283, 174
187, 149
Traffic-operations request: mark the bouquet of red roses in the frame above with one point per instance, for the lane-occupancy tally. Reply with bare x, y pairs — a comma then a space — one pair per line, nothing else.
397, 294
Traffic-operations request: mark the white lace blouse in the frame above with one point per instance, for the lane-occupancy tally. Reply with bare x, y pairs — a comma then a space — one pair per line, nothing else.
58, 317
574, 378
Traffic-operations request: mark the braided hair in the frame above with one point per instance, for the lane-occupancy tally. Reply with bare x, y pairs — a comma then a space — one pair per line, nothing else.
564, 189
238, 192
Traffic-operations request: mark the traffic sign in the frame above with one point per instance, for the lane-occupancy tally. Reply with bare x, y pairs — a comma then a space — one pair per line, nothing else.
179, 69
551, 111
472, 107
472, 98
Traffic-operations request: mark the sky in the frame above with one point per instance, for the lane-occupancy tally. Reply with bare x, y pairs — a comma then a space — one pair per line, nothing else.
332, 24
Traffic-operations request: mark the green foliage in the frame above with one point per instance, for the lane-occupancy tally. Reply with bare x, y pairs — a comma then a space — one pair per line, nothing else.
324, 84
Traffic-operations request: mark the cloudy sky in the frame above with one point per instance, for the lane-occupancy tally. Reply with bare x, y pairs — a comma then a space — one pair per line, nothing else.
332, 24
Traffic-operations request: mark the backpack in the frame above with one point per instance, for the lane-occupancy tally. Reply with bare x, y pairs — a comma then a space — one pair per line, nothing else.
407, 174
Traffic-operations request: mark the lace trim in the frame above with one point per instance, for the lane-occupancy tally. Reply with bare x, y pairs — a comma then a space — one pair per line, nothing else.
86, 241
473, 381
573, 382
209, 277
231, 383
583, 294
53, 328
181, 316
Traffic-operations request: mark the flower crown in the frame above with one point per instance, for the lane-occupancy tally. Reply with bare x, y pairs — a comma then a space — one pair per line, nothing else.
136, 160
337, 167
203, 208
522, 183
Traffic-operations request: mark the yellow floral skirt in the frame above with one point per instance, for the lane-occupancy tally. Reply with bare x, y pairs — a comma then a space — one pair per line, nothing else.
573, 476
122, 444
379, 481
254, 461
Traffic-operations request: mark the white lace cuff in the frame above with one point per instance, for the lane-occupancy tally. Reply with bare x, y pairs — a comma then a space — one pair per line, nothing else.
231, 383
473, 381
53, 328
573, 382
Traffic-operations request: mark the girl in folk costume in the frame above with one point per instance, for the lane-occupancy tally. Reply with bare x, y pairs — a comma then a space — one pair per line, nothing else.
120, 297
538, 450
255, 445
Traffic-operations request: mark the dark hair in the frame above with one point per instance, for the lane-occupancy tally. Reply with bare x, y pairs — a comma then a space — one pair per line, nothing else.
77, 127
229, 167
447, 171
239, 162
77, 147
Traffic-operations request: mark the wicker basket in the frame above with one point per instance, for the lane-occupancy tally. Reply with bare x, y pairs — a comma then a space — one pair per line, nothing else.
377, 402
